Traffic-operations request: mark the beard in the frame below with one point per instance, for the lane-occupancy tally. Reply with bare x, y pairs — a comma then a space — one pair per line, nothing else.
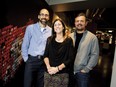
79, 27
43, 21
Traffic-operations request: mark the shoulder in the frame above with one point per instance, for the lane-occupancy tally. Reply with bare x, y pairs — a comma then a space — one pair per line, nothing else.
92, 35
29, 27
50, 38
69, 39
72, 34
48, 27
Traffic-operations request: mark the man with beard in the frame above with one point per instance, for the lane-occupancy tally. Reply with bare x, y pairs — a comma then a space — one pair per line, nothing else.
86, 51
33, 47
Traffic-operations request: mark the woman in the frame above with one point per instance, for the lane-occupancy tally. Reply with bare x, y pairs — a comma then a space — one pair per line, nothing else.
58, 56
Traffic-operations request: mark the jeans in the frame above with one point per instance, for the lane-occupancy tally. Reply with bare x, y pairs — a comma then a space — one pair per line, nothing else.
34, 72
82, 79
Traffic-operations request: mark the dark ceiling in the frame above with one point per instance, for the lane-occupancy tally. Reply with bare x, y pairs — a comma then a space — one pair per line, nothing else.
101, 12
104, 17
84, 4
17, 12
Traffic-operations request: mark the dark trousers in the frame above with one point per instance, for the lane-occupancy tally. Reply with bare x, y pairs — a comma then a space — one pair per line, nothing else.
72, 81
34, 72
82, 79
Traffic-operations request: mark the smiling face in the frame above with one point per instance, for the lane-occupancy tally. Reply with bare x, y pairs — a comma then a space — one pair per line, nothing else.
80, 23
58, 27
43, 16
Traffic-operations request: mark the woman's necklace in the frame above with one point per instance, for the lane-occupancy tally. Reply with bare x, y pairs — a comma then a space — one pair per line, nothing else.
61, 39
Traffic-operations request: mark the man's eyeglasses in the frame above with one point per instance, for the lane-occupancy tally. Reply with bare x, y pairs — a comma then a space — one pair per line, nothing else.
46, 15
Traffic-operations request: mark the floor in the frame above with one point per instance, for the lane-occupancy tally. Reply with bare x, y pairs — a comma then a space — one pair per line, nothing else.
100, 75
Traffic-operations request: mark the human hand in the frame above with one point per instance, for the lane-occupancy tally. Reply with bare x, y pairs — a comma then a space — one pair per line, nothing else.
83, 71
52, 70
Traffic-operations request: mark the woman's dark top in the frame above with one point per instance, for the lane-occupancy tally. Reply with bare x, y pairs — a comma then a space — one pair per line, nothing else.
60, 52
